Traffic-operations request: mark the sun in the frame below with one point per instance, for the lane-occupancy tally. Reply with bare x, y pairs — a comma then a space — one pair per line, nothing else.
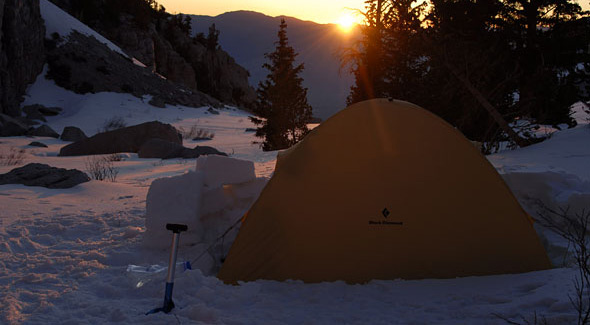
346, 22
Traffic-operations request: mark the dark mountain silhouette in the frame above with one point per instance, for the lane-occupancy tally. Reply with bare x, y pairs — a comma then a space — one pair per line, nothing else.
247, 35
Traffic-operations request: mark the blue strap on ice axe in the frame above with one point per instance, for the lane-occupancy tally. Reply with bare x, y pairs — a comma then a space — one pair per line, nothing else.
168, 303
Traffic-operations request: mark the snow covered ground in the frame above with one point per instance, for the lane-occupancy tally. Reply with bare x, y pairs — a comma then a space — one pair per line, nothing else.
65, 254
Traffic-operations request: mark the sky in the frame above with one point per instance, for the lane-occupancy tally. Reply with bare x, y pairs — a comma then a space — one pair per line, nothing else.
320, 11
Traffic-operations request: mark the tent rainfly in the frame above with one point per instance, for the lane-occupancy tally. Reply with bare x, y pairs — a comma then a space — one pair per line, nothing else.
383, 190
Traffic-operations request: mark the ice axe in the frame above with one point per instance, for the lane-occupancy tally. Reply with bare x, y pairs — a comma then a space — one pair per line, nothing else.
168, 303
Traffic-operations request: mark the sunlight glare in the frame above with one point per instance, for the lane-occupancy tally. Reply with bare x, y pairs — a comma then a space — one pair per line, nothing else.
346, 22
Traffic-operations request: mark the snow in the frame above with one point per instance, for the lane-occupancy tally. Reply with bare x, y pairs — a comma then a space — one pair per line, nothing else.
60, 22
75, 256
173, 200
221, 170
566, 151
65, 255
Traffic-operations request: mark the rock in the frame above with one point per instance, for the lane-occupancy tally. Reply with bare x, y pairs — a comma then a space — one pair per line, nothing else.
40, 110
158, 148
43, 131
45, 176
72, 133
172, 65
212, 111
127, 139
33, 113
25, 121
22, 51
38, 144
11, 127
49, 111
83, 64
206, 150
157, 102
167, 51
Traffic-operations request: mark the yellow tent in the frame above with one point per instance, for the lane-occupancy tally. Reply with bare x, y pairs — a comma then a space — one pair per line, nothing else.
383, 190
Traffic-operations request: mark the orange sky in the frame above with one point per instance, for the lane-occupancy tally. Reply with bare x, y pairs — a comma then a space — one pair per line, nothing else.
321, 11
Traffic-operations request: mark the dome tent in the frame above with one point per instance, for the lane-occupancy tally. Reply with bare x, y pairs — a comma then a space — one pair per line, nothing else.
383, 190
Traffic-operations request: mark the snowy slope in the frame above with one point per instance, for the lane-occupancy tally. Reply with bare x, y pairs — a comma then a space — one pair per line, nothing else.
565, 152
62, 23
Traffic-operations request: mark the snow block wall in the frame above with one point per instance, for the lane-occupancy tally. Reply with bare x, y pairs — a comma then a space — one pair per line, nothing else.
209, 201
221, 170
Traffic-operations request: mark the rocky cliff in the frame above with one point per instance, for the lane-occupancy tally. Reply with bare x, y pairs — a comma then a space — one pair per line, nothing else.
22, 33
155, 39
83, 64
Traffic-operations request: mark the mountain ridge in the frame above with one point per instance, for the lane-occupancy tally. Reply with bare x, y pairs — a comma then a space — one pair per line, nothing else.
246, 35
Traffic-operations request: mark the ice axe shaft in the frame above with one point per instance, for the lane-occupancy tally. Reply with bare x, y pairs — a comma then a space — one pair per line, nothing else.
168, 303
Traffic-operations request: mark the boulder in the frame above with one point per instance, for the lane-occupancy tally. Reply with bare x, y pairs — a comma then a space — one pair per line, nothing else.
127, 139
39, 110
158, 148
213, 111
43, 131
33, 113
11, 127
72, 133
26, 121
45, 176
49, 111
38, 144
157, 102
206, 150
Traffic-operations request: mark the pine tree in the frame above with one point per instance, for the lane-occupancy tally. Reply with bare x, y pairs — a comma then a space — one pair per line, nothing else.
550, 42
386, 62
367, 58
282, 110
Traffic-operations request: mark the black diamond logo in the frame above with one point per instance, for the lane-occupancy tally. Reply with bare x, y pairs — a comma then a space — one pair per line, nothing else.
385, 212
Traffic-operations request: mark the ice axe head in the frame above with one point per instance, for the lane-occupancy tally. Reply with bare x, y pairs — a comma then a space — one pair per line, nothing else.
176, 228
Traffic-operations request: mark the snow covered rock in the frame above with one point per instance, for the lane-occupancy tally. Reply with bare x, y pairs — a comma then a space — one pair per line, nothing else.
45, 176
220, 170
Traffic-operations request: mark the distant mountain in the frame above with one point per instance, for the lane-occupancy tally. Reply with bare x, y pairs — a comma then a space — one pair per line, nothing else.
247, 35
